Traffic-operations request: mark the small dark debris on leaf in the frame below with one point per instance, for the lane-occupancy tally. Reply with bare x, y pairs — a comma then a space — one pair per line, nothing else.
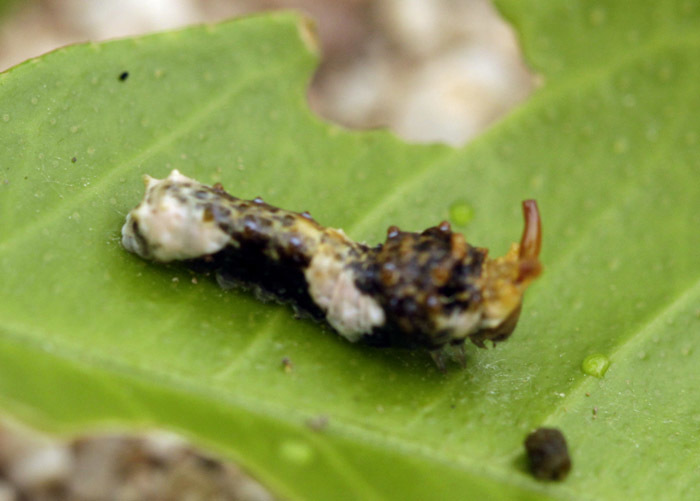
548, 454
123, 76
74, 159
287, 365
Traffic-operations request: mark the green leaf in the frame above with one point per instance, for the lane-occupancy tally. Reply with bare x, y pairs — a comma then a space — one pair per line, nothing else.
91, 336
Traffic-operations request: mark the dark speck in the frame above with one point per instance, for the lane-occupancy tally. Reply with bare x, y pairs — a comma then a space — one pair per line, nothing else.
74, 159
547, 454
123, 76
287, 365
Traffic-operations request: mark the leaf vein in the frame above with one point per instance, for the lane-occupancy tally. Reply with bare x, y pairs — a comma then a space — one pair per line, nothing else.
199, 115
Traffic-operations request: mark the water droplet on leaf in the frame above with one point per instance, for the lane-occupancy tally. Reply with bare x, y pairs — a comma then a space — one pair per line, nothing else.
595, 365
461, 213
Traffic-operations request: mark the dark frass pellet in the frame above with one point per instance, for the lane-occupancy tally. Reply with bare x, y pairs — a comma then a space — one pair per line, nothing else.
123, 76
429, 290
548, 454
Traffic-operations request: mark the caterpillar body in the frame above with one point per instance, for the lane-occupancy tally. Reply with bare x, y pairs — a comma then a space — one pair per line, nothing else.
430, 289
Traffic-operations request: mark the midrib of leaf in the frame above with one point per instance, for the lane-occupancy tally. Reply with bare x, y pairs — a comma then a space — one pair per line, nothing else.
30, 337
252, 348
686, 297
562, 260
27, 336
201, 112
343, 468
364, 490
620, 352
395, 194
558, 90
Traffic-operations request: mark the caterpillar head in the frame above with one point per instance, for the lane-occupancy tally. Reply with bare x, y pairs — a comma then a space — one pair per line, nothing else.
504, 280
436, 289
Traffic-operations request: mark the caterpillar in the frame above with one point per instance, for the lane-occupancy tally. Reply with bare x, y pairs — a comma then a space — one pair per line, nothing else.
416, 290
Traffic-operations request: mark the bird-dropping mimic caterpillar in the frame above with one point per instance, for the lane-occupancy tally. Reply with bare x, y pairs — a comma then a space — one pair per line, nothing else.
430, 289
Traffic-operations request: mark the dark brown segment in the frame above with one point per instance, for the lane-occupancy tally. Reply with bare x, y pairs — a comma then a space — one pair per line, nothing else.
418, 279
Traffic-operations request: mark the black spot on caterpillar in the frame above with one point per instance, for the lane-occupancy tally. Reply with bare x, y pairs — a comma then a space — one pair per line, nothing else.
430, 289
548, 454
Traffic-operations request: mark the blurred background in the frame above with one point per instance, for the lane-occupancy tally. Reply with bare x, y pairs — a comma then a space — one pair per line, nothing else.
429, 70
